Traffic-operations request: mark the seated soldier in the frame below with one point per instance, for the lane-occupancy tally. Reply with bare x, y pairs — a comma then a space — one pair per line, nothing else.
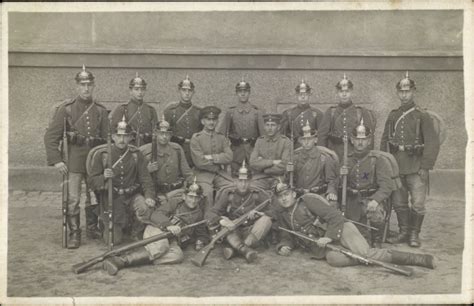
369, 184
315, 167
129, 177
231, 204
171, 217
166, 161
312, 215
211, 154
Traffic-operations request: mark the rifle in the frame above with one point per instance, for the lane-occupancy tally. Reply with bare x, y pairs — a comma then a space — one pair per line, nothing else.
202, 255
290, 167
361, 224
81, 267
344, 176
365, 260
110, 202
154, 150
386, 227
65, 186
138, 136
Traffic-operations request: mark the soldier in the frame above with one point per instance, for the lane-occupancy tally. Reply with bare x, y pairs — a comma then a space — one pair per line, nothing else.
312, 215
271, 154
170, 170
184, 118
139, 115
412, 139
295, 118
211, 154
232, 204
369, 184
340, 120
242, 124
171, 217
129, 177
315, 167
87, 126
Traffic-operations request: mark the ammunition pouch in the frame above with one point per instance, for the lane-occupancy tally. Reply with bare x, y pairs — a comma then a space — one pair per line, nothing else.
365, 193
79, 140
317, 190
129, 191
238, 141
416, 149
165, 187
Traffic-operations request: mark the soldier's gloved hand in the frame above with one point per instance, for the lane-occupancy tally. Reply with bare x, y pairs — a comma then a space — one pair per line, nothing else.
208, 157
150, 202
174, 229
277, 162
152, 167
372, 205
284, 251
108, 173
61, 166
226, 222
331, 197
199, 245
423, 173
344, 170
253, 214
321, 242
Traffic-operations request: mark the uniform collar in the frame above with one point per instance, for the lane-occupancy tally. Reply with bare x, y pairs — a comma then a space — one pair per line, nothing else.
209, 133
164, 150
84, 102
345, 106
360, 155
137, 102
303, 106
244, 107
406, 107
273, 138
313, 153
185, 105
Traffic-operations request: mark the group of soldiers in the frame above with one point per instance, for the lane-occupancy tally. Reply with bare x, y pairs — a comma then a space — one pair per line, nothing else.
317, 172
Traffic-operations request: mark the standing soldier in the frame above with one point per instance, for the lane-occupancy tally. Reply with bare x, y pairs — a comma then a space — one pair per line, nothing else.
129, 177
184, 118
410, 135
211, 154
295, 118
170, 170
242, 124
138, 114
87, 126
369, 184
169, 217
232, 204
316, 168
271, 154
339, 121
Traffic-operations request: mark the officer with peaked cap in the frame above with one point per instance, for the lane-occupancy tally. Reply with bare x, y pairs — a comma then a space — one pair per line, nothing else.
184, 117
139, 114
311, 215
341, 119
316, 168
211, 153
295, 118
172, 216
410, 136
170, 170
129, 177
242, 124
271, 154
87, 126
234, 202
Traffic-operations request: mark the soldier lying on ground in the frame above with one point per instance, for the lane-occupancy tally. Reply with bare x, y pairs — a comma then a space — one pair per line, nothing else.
171, 216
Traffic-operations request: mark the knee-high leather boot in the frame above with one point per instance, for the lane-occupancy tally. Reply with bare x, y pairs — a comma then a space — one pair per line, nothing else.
115, 263
74, 225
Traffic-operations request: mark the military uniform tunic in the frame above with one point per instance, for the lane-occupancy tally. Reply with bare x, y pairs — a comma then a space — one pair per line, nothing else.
242, 124
314, 169
184, 121
140, 115
340, 120
267, 149
298, 115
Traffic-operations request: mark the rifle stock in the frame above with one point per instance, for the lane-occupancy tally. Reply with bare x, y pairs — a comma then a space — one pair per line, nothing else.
344, 176
396, 268
81, 267
200, 258
290, 167
110, 202
65, 187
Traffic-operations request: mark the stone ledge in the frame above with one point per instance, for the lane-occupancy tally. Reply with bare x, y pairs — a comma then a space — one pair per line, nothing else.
445, 183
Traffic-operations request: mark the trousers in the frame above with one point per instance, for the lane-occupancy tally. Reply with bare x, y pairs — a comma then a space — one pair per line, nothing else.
413, 188
162, 251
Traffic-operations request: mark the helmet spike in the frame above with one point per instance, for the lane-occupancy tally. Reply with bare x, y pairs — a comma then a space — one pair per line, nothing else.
136, 74
406, 74
83, 67
345, 78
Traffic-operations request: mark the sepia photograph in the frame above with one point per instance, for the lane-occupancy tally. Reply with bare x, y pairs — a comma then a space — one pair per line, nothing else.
252, 153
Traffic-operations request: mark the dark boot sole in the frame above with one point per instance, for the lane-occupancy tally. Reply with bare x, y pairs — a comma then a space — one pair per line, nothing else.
110, 268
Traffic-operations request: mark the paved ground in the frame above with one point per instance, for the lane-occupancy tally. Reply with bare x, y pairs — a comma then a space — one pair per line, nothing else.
38, 266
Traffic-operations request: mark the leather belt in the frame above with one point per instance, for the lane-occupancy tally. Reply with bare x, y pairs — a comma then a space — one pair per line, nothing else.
169, 187
127, 191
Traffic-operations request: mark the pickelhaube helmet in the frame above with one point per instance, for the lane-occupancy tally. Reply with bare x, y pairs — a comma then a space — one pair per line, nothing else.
194, 189
281, 187
308, 132
361, 131
137, 82
123, 128
344, 84
163, 126
243, 172
303, 87
242, 85
84, 76
406, 83
210, 112
186, 83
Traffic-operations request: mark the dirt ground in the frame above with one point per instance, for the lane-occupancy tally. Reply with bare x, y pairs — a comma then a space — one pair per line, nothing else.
39, 267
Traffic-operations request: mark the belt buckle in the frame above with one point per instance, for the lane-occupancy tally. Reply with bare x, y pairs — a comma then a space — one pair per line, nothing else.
401, 147
245, 140
121, 191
